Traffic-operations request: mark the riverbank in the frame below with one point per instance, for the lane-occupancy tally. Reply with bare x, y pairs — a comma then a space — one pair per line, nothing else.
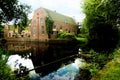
111, 71
29, 40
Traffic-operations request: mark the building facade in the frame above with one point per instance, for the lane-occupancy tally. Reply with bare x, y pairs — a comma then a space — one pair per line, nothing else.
10, 32
61, 23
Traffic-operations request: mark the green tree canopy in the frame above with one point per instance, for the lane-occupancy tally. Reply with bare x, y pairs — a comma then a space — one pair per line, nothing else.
102, 20
13, 10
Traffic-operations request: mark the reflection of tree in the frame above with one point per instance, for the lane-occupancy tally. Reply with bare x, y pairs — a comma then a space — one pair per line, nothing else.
21, 71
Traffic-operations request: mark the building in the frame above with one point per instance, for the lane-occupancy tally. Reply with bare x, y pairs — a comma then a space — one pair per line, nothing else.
61, 23
10, 31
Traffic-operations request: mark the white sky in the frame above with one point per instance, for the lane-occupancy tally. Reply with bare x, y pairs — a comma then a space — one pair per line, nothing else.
66, 7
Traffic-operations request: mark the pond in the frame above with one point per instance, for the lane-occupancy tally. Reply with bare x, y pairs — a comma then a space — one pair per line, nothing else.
46, 61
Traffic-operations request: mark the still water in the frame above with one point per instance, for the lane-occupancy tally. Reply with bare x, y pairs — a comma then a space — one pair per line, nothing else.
49, 61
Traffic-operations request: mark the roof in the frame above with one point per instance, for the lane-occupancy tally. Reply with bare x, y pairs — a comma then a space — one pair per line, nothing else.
59, 17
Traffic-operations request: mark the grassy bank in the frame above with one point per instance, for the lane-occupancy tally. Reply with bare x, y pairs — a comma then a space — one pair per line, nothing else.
111, 71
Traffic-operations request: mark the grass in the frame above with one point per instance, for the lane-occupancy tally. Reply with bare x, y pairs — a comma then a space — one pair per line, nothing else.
82, 40
111, 71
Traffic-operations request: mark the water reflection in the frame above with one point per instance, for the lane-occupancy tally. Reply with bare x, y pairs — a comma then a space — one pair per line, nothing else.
44, 54
14, 62
47, 57
68, 72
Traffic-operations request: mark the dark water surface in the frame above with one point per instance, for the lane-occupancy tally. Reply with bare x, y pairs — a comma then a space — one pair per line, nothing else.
44, 57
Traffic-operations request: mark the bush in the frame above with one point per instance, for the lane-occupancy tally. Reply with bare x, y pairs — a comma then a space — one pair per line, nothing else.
65, 35
97, 61
5, 71
94, 68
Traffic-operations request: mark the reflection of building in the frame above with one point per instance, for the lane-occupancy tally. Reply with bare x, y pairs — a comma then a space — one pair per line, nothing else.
61, 23
11, 31
18, 46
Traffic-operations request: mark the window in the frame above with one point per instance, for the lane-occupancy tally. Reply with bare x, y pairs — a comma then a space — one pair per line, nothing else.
54, 28
60, 27
34, 21
41, 20
34, 31
43, 30
54, 32
9, 34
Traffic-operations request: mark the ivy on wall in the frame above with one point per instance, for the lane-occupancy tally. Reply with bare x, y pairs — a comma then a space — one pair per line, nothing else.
49, 25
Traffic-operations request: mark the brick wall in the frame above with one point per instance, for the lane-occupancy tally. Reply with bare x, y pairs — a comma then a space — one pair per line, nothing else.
38, 21
36, 24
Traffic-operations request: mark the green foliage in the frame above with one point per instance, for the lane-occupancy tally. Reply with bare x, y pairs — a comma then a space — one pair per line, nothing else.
82, 35
92, 52
1, 31
97, 61
84, 30
100, 58
65, 35
101, 24
112, 69
81, 40
5, 71
13, 10
94, 68
49, 25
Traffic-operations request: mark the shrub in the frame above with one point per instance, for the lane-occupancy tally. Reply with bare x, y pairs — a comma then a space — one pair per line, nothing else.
5, 71
94, 68
65, 35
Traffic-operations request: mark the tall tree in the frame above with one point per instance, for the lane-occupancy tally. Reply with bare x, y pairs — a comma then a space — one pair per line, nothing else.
102, 20
13, 10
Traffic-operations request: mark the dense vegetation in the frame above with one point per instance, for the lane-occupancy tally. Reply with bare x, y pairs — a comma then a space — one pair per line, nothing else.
111, 70
13, 10
1, 31
5, 71
101, 24
65, 35
101, 27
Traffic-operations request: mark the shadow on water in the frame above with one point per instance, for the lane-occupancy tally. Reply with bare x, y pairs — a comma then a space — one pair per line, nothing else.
44, 54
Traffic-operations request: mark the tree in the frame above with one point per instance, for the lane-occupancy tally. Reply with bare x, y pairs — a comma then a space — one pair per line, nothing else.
1, 31
5, 71
101, 20
49, 25
13, 10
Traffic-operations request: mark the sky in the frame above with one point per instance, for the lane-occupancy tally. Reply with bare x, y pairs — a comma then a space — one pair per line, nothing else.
69, 8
